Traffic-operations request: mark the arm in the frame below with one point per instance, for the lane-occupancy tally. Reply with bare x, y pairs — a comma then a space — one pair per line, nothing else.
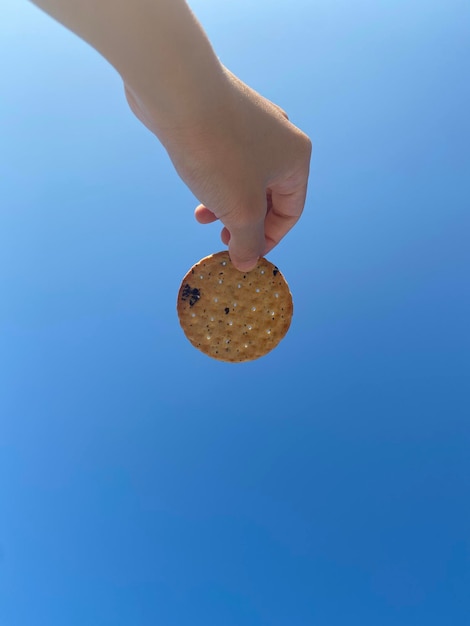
237, 152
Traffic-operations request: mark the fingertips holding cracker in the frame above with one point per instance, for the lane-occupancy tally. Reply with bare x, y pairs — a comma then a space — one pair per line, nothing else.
231, 315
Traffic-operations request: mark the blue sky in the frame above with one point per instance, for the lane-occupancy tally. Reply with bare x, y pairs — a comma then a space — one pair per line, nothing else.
142, 483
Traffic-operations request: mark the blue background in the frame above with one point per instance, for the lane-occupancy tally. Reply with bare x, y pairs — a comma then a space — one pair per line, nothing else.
328, 483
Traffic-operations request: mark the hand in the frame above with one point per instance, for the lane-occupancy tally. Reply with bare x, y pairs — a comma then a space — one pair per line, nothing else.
245, 162
237, 152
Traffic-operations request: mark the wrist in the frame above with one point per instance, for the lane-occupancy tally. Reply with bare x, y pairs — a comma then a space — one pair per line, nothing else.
169, 67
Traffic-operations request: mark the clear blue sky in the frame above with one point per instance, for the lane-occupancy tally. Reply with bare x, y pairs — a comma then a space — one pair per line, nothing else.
327, 484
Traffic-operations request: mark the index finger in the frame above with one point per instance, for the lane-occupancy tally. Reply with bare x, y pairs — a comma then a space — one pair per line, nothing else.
284, 211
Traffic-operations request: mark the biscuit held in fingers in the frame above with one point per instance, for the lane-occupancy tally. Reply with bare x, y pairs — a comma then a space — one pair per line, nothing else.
231, 315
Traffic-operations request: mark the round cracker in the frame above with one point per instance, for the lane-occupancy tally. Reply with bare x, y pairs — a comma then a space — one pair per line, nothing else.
232, 315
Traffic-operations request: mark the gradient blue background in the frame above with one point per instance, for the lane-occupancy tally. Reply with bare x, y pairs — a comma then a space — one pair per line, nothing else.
142, 483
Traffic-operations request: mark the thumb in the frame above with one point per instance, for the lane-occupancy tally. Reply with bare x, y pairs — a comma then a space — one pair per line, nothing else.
247, 239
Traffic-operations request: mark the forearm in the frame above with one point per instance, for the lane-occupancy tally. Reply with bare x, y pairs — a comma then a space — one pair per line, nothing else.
157, 46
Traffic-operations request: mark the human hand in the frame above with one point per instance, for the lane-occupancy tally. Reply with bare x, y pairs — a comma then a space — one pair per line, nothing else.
237, 152
244, 161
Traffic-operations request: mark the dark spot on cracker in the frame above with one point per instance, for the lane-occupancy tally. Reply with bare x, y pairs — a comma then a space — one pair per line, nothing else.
227, 310
191, 294
275, 271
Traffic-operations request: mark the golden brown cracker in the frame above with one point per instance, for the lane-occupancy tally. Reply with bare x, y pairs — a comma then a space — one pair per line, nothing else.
232, 315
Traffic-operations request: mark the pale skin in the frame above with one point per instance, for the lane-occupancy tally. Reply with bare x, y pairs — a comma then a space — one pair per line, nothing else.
245, 162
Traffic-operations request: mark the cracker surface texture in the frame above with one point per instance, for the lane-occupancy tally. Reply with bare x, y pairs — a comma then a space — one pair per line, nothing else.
231, 315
